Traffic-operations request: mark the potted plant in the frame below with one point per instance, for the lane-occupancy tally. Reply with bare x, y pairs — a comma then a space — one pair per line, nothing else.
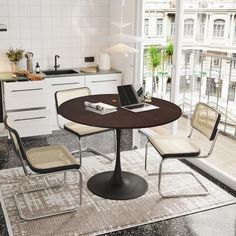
14, 55
154, 60
169, 52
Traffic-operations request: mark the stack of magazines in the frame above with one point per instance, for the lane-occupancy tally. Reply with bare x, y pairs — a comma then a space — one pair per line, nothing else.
99, 107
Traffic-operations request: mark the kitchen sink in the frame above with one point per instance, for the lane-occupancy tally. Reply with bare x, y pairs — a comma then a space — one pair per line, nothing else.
60, 72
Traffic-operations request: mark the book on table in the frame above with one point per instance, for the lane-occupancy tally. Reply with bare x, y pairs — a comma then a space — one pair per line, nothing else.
99, 107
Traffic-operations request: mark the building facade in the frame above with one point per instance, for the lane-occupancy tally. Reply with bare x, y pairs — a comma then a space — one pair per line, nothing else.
209, 28
208, 62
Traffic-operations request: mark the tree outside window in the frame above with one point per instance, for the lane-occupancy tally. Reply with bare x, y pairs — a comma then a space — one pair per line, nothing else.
188, 27
219, 29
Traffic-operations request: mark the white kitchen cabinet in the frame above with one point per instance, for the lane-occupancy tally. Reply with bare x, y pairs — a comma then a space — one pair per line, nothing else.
30, 122
61, 83
25, 95
26, 105
30, 105
103, 84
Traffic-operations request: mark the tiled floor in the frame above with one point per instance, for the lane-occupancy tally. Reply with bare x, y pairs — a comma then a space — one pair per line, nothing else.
217, 222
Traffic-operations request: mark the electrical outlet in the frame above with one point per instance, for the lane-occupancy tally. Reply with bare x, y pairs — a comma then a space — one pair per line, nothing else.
89, 59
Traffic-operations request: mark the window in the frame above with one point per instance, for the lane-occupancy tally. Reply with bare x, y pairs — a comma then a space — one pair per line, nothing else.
202, 4
232, 87
172, 26
201, 26
146, 26
235, 31
159, 27
187, 58
234, 60
219, 28
201, 31
188, 27
216, 62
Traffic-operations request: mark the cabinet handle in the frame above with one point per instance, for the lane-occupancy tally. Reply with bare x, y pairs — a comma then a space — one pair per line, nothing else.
25, 90
32, 118
103, 81
66, 83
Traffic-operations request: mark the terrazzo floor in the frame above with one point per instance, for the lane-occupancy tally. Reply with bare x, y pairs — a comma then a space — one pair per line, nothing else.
216, 222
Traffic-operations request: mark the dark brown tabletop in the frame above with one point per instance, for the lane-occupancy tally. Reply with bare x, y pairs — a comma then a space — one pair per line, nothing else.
74, 110
118, 184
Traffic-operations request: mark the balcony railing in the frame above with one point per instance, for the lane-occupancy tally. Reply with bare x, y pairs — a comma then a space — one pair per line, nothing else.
205, 77
211, 79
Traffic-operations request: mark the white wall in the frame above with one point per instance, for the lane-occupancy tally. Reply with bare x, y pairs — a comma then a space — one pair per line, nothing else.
68, 28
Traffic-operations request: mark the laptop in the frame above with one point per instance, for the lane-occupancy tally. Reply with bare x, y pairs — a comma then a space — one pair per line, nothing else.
130, 100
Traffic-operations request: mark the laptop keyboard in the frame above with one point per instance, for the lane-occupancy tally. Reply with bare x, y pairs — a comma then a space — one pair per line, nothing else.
135, 106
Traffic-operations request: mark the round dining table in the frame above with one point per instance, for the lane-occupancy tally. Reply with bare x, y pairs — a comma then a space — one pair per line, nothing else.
118, 184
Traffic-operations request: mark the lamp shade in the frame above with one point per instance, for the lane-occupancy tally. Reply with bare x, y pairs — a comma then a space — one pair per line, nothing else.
121, 48
121, 24
117, 38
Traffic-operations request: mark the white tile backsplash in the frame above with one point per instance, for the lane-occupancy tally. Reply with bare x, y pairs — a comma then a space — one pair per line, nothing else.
3, 11
3, 3
68, 28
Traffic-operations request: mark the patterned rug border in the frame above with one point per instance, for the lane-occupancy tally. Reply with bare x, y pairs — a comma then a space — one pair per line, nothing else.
232, 202
148, 221
6, 216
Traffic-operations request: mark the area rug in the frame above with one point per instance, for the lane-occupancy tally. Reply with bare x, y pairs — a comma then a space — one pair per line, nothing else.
98, 215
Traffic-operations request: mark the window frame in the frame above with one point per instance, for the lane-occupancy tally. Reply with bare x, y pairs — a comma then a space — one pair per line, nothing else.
218, 29
159, 26
188, 27
146, 27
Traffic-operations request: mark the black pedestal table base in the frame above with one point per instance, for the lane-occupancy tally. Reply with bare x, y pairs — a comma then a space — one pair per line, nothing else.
117, 185
132, 186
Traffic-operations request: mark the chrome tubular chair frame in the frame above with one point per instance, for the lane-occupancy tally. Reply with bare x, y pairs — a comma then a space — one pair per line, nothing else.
88, 149
31, 175
23, 192
92, 150
160, 173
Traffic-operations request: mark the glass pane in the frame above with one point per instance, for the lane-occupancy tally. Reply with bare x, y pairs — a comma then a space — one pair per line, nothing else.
208, 66
157, 68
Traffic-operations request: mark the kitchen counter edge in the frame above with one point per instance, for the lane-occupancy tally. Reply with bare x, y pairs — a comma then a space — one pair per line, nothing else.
7, 76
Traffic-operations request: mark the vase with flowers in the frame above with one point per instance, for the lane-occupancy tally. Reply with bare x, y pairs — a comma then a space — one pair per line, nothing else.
14, 55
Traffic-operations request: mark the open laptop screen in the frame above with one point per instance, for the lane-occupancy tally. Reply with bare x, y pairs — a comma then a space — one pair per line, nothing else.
127, 95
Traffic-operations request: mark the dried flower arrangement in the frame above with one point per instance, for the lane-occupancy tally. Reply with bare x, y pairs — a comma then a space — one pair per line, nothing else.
14, 55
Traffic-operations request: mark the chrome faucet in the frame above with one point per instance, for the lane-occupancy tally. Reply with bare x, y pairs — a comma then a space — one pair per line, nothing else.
56, 66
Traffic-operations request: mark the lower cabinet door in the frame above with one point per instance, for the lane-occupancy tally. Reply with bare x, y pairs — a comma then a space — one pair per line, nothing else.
103, 84
31, 123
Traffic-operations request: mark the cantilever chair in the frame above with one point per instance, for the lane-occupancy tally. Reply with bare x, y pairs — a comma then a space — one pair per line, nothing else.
44, 162
205, 120
80, 130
